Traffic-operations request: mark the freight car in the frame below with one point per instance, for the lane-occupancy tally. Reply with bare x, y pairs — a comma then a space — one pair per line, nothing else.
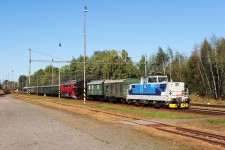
155, 90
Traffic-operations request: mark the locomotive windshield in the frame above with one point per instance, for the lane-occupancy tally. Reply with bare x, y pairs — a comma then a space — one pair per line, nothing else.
157, 79
152, 79
162, 79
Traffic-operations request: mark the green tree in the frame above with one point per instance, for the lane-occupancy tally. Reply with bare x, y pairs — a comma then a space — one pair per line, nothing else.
66, 74
77, 66
207, 63
162, 59
22, 81
141, 65
178, 67
111, 64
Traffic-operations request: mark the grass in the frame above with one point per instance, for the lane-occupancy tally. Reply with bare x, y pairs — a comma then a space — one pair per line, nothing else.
157, 113
142, 112
201, 100
216, 121
138, 111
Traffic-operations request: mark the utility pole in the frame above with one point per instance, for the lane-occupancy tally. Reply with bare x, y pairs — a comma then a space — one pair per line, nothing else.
145, 65
12, 81
85, 10
37, 84
59, 77
52, 71
59, 83
29, 71
170, 70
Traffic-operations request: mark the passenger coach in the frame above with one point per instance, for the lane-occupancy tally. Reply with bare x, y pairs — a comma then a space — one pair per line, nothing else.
109, 90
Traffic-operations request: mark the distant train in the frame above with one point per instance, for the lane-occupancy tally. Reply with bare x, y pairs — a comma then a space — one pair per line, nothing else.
67, 89
152, 90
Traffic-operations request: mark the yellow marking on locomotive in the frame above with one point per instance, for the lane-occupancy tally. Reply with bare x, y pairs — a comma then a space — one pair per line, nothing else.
182, 105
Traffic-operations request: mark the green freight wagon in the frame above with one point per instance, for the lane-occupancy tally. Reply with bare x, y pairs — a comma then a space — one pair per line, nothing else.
95, 90
117, 90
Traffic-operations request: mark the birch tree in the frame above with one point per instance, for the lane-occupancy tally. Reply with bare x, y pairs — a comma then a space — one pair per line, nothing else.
162, 59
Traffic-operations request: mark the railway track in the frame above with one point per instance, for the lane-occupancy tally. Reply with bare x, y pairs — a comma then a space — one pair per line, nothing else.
208, 105
204, 136
207, 111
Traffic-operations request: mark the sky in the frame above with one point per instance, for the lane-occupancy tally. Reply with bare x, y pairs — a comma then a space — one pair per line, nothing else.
137, 26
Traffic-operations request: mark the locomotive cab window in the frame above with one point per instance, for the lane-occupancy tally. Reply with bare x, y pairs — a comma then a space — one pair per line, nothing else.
152, 79
162, 79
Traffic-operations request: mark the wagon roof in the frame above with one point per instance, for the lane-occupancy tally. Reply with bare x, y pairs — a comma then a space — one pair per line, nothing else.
69, 82
96, 82
113, 81
43, 86
121, 80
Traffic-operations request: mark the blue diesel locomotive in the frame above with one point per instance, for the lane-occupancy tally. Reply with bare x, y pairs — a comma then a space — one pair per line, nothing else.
157, 91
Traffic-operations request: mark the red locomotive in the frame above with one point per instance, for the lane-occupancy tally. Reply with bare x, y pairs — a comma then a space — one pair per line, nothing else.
68, 89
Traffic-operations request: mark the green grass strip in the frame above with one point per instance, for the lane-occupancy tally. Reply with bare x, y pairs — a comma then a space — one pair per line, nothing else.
216, 121
138, 111
157, 114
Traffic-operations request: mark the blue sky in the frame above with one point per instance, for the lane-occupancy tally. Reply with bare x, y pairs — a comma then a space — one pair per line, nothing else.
138, 26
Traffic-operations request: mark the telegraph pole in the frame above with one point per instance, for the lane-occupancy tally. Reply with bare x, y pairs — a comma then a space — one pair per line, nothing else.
145, 64
85, 10
12, 82
29, 71
59, 83
52, 71
59, 76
